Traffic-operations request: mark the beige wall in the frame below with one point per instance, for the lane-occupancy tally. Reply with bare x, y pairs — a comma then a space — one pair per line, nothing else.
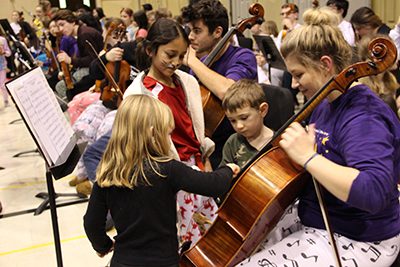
387, 10
7, 6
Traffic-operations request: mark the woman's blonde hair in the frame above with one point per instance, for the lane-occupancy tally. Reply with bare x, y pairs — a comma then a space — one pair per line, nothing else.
139, 140
319, 36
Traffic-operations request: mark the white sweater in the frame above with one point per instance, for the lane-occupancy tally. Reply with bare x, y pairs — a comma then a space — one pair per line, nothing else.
193, 101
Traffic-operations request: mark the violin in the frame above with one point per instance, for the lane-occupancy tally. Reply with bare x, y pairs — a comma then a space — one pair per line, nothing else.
270, 182
117, 74
212, 108
54, 66
65, 68
113, 26
112, 93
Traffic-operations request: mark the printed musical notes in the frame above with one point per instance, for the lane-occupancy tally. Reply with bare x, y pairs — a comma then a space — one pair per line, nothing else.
376, 252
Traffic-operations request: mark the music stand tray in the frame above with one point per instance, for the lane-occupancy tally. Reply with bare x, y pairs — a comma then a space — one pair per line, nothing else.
271, 53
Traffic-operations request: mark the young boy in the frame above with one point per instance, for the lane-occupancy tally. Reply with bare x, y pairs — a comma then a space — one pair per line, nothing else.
245, 106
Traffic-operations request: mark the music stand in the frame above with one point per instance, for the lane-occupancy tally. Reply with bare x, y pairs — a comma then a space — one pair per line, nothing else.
271, 53
23, 55
53, 136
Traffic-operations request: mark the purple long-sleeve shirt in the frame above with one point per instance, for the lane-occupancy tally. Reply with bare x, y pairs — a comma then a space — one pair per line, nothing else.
360, 131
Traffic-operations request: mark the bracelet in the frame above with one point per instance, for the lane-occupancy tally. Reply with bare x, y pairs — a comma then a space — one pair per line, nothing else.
308, 161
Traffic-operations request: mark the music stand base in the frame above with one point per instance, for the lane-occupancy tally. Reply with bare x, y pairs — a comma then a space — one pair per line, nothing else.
45, 196
26, 152
15, 121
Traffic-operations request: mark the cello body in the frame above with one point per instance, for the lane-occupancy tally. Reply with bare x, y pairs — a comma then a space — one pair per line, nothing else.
254, 206
271, 182
212, 109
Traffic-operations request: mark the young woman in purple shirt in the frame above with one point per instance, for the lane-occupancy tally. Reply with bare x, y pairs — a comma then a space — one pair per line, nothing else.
352, 148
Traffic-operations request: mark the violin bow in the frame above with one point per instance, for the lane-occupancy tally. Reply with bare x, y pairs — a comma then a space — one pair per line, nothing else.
106, 70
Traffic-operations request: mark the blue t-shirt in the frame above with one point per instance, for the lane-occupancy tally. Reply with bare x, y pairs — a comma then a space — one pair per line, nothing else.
360, 131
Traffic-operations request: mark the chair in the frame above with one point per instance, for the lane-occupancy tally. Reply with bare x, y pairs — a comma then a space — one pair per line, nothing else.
281, 106
245, 42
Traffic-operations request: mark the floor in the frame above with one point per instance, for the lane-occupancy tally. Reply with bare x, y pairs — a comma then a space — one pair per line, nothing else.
26, 239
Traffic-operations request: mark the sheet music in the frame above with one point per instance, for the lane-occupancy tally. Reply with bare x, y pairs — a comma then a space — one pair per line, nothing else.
39, 107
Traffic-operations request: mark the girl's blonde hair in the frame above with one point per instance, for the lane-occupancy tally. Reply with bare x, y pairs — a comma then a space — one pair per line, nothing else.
139, 140
319, 36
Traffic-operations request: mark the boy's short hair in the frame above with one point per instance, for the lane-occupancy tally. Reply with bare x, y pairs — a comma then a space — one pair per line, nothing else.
243, 93
212, 12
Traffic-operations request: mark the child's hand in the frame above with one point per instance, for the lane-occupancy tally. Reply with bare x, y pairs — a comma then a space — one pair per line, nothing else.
235, 169
115, 54
101, 255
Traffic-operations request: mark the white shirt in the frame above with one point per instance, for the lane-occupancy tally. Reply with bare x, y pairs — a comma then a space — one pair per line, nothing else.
348, 32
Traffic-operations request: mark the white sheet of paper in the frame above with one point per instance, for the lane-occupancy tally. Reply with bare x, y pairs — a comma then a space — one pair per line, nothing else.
41, 111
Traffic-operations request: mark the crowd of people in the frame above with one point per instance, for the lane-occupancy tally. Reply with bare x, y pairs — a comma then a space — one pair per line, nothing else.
133, 87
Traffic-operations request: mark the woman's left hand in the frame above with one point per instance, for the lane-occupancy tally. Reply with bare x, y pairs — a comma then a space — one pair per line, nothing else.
298, 143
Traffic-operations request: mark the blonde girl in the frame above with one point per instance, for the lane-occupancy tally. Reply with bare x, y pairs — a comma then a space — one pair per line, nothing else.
137, 182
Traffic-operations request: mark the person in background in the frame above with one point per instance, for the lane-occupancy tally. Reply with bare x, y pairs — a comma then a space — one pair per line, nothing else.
271, 29
341, 7
367, 23
68, 24
4, 52
137, 181
290, 17
39, 20
131, 27
358, 172
141, 21
98, 14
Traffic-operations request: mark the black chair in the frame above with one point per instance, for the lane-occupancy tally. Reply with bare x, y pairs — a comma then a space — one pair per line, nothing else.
245, 42
281, 106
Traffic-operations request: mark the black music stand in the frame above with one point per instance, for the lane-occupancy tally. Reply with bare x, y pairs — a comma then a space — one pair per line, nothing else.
23, 55
61, 154
271, 53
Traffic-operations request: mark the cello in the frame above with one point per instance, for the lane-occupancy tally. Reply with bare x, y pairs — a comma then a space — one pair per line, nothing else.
212, 108
270, 182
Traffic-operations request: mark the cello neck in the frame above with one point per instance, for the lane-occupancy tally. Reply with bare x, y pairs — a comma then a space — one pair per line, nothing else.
219, 48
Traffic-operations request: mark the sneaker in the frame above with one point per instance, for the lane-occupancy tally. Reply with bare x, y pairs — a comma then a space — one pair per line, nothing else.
84, 188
